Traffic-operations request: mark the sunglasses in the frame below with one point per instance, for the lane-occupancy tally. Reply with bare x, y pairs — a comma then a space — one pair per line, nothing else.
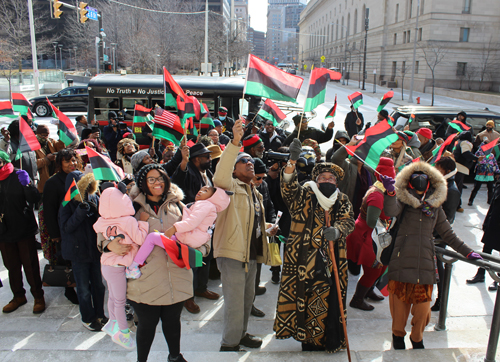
258, 178
423, 175
246, 160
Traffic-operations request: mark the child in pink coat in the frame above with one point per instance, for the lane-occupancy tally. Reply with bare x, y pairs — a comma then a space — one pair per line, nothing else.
117, 220
193, 229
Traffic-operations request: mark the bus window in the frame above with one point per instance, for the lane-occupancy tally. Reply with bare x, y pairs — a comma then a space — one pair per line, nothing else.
129, 104
103, 105
243, 103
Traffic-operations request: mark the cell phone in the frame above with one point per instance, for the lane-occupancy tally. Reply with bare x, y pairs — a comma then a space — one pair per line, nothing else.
360, 137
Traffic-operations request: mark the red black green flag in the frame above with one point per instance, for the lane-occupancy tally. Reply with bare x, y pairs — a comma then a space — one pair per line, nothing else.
182, 255
6, 113
71, 193
206, 120
103, 168
412, 118
317, 87
437, 153
21, 105
65, 128
488, 147
377, 139
356, 99
385, 99
27, 139
141, 114
333, 110
458, 126
188, 106
168, 126
171, 89
265, 80
271, 111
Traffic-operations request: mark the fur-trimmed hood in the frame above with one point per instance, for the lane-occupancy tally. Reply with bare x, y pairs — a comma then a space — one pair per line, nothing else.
437, 192
86, 184
175, 194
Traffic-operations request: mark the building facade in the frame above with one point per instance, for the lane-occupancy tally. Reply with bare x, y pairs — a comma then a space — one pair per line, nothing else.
283, 17
258, 42
460, 39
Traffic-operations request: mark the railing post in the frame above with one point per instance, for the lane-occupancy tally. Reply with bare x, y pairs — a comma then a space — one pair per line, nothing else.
494, 332
443, 311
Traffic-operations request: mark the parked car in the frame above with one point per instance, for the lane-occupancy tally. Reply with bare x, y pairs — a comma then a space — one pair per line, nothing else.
71, 99
437, 118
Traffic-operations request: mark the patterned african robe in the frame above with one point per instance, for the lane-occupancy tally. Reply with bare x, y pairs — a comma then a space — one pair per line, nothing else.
308, 308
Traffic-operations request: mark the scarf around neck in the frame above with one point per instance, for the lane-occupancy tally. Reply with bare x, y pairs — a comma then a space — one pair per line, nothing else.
325, 202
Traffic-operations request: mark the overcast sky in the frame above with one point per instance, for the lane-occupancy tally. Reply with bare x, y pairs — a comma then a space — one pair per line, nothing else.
258, 14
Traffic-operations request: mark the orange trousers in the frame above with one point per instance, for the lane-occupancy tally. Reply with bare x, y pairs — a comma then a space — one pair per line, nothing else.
400, 311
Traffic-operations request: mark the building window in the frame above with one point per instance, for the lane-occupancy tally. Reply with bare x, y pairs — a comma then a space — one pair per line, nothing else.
422, 7
420, 34
467, 4
461, 68
397, 12
464, 34
395, 38
408, 35
404, 37
416, 67
394, 66
403, 67
410, 6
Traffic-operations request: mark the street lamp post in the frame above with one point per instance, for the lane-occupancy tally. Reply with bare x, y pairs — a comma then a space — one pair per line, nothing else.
364, 57
410, 99
114, 56
60, 54
156, 63
54, 44
76, 60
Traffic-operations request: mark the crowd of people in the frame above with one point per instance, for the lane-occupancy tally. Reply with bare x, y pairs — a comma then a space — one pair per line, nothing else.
219, 200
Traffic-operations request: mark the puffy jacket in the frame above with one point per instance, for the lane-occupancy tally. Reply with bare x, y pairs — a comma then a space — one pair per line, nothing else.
16, 203
117, 218
196, 220
233, 228
412, 260
162, 282
78, 238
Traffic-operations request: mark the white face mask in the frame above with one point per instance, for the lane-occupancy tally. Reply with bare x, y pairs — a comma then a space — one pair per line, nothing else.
222, 118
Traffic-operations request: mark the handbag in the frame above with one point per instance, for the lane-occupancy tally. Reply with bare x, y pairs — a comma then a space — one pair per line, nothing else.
384, 236
274, 251
58, 276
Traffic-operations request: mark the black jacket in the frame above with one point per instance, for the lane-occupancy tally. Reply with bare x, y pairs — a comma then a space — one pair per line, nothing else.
492, 220
16, 203
268, 204
350, 123
452, 200
223, 139
171, 166
111, 139
190, 181
312, 133
467, 158
53, 195
271, 145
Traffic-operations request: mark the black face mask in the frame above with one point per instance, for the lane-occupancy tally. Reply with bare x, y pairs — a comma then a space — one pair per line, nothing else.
420, 182
327, 188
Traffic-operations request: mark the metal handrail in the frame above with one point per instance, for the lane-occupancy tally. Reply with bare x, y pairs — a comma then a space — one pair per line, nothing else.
492, 265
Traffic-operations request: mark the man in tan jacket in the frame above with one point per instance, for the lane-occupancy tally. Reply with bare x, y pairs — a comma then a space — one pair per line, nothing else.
239, 242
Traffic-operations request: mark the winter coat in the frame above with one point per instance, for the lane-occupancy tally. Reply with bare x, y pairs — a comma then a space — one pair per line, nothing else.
336, 145
350, 123
486, 169
190, 181
43, 163
80, 127
452, 200
16, 203
196, 220
28, 160
268, 203
123, 161
312, 133
412, 260
234, 226
413, 147
117, 218
53, 195
491, 221
490, 136
271, 142
400, 160
111, 138
463, 153
78, 238
162, 282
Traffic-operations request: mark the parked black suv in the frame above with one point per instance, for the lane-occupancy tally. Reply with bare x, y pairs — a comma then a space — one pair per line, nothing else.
71, 99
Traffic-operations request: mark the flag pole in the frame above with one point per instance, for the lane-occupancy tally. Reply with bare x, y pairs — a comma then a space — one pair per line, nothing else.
355, 155
304, 110
258, 112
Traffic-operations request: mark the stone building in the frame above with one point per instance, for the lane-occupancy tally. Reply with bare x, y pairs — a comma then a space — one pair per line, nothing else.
464, 35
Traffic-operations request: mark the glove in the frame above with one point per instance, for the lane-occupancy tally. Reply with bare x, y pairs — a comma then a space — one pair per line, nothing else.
84, 206
331, 233
474, 256
23, 177
295, 149
388, 183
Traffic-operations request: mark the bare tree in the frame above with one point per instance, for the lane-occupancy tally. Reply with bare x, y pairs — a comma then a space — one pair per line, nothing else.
433, 55
470, 74
488, 61
6, 63
404, 69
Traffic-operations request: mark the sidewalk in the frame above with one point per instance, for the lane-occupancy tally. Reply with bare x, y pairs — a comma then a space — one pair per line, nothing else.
57, 334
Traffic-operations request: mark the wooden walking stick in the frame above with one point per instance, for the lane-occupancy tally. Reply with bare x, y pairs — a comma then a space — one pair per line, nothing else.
337, 283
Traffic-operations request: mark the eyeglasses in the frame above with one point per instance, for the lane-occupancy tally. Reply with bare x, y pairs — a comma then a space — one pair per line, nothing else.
152, 180
258, 178
326, 179
246, 160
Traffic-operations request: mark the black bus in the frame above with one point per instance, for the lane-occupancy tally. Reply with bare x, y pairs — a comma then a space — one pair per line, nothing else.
113, 92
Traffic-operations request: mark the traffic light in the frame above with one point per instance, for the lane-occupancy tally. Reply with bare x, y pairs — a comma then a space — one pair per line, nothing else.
56, 5
83, 12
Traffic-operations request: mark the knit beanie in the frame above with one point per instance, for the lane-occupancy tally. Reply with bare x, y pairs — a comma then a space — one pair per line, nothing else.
425, 132
142, 173
137, 158
259, 166
490, 123
240, 156
42, 128
385, 167
251, 141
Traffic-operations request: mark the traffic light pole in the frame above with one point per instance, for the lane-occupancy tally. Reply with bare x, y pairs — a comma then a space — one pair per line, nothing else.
364, 56
34, 57
101, 44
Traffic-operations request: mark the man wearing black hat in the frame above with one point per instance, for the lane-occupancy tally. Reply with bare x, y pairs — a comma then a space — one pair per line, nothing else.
462, 117
354, 122
192, 174
227, 122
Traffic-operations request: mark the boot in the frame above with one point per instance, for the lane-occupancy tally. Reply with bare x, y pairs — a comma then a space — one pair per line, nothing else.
493, 287
398, 342
417, 345
478, 278
374, 296
14, 304
437, 305
39, 306
358, 299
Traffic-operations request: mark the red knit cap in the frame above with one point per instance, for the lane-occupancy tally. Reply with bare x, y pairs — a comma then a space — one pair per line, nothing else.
251, 141
426, 132
386, 168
